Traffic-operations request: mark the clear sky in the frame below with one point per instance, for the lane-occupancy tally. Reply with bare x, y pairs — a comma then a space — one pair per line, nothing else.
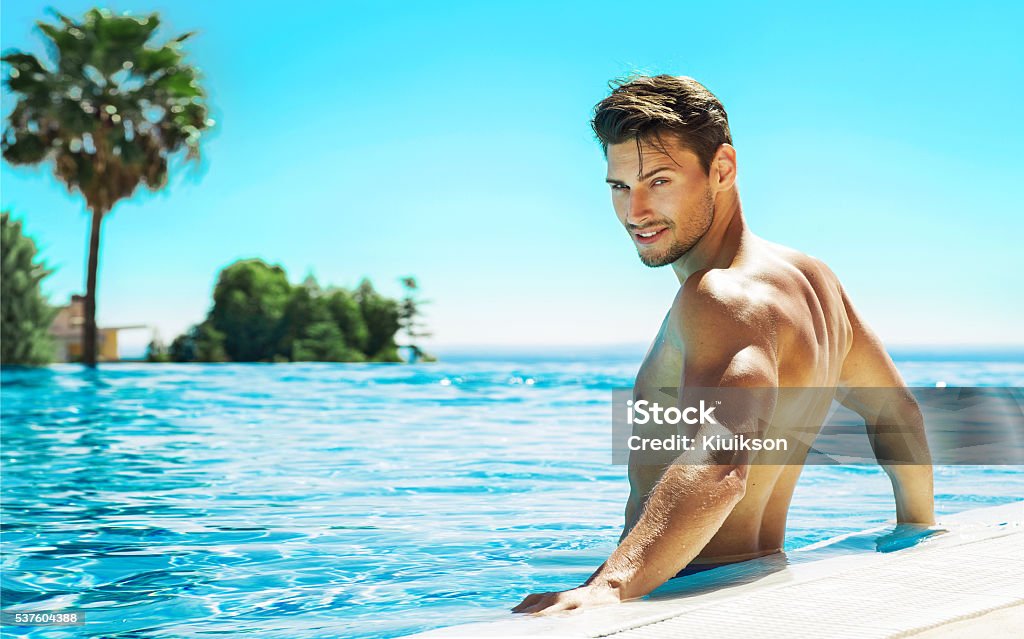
450, 141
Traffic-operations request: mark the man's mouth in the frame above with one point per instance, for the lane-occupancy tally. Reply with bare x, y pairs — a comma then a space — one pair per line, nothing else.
649, 236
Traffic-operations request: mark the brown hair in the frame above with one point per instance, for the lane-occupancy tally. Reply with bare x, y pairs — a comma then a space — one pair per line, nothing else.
645, 107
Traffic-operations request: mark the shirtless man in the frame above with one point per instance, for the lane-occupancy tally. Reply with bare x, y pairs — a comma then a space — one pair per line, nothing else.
748, 314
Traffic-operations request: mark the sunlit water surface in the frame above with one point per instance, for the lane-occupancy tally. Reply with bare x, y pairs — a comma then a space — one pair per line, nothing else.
328, 500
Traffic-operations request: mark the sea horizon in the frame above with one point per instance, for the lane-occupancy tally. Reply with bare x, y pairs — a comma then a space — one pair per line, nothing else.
502, 352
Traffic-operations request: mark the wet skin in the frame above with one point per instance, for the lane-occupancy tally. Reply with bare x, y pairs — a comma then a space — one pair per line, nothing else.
748, 314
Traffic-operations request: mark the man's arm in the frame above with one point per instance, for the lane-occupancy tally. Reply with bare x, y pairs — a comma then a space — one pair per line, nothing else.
871, 386
730, 343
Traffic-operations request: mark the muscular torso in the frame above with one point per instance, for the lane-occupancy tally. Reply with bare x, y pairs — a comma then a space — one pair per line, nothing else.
813, 337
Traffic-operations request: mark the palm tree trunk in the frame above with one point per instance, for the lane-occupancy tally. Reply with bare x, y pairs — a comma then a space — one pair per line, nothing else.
89, 326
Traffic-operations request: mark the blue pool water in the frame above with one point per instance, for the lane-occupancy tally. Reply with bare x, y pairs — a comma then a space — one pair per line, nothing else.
325, 500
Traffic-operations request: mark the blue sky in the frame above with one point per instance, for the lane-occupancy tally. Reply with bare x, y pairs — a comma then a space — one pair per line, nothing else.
450, 141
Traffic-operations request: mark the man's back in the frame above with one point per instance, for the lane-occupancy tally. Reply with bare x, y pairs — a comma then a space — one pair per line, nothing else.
802, 301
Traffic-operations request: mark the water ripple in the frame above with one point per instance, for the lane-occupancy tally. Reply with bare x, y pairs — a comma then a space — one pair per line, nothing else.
316, 500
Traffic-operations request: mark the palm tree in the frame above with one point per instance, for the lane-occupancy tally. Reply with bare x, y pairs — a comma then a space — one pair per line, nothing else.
110, 116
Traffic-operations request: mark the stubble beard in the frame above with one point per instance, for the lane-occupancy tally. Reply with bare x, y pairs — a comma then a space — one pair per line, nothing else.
705, 211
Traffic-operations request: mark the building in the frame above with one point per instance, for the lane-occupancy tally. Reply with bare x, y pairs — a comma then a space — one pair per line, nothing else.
67, 334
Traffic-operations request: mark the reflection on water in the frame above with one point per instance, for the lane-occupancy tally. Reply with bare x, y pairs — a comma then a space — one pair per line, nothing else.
317, 500
905, 536
883, 539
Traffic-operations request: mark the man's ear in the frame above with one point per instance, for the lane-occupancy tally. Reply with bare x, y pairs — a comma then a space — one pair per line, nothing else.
723, 168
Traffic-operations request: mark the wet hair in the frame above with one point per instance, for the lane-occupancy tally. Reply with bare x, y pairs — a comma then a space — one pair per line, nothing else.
644, 108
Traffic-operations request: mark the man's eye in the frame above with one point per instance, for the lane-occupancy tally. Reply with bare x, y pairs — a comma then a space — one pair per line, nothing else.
619, 187
660, 181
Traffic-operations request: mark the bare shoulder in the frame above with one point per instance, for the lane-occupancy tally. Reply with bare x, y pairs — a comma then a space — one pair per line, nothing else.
814, 270
724, 294
766, 286
726, 304
728, 325
787, 304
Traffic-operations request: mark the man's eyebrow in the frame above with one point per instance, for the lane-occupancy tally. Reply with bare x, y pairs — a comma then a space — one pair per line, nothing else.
643, 177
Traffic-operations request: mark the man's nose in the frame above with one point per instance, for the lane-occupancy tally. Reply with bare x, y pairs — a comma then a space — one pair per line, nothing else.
638, 208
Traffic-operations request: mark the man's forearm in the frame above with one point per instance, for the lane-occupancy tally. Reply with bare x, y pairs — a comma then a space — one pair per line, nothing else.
899, 439
682, 514
914, 492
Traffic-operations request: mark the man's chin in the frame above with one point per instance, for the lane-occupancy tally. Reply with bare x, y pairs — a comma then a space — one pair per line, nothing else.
659, 259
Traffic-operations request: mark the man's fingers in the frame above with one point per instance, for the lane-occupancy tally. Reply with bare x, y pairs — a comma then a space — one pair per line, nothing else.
529, 601
549, 603
560, 606
537, 607
552, 605
546, 600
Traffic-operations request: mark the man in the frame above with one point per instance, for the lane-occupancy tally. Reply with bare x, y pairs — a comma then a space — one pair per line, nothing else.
749, 314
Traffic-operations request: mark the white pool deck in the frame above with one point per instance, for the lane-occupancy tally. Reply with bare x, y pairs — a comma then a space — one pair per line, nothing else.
966, 582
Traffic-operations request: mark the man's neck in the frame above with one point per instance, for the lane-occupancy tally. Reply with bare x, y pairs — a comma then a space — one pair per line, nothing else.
721, 243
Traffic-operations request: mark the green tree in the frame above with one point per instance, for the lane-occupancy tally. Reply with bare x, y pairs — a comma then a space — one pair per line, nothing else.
409, 314
344, 309
201, 343
381, 317
156, 351
258, 316
26, 316
109, 115
309, 332
249, 301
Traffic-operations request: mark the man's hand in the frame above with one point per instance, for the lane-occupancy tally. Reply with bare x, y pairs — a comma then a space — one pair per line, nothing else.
587, 596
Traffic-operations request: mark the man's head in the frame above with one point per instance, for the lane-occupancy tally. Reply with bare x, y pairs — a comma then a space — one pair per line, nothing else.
669, 152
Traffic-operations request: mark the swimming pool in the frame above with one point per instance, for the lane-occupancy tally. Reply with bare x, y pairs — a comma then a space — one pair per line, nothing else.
324, 500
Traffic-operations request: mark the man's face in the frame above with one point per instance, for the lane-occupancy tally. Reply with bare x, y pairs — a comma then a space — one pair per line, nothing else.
667, 209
